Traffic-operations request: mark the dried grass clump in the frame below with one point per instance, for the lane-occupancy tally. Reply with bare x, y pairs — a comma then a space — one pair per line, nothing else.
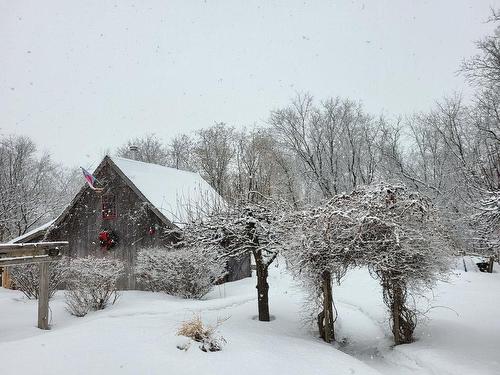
204, 334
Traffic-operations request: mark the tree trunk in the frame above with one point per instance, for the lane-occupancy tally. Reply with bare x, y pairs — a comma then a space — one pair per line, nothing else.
325, 317
262, 291
403, 318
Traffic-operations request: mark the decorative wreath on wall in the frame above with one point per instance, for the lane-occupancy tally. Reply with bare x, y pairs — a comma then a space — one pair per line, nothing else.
108, 239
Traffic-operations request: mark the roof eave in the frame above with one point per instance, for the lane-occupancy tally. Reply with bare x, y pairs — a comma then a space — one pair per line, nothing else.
136, 190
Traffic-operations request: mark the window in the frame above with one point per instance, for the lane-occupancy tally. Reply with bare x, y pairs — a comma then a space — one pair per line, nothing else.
108, 207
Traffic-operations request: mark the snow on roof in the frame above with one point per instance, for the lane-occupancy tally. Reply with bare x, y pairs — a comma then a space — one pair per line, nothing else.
32, 232
179, 195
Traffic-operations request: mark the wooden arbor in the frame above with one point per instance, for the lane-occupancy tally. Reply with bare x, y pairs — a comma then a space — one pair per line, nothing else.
29, 253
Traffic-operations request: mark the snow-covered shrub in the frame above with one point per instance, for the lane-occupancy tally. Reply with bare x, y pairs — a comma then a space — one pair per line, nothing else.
26, 278
398, 235
486, 225
394, 232
91, 284
315, 255
204, 334
188, 272
246, 227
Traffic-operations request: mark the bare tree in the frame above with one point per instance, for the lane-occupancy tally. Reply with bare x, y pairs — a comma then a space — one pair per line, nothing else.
237, 231
181, 152
253, 166
484, 68
32, 189
289, 184
214, 151
149, 149
486, 222
452, 155
261, 166
335, 142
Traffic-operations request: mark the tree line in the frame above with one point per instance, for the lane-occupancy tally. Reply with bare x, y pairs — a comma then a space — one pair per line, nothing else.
315, 149
312, 150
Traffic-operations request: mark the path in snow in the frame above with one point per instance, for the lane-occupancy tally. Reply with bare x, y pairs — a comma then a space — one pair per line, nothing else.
461, 334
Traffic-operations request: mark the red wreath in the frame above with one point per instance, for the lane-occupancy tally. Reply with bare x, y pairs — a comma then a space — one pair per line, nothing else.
107, 239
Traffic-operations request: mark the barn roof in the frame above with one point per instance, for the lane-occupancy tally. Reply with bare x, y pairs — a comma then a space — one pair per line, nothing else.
28, 236
178, 195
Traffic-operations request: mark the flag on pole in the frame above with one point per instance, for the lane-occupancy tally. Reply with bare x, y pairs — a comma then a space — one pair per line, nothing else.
91, 180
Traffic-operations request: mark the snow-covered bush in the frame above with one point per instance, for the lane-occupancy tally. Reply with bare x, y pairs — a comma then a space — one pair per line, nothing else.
397, 234
26, 278
246, 227
204, 334
188, 272
91, 284
394, 232
316, 256
486, 225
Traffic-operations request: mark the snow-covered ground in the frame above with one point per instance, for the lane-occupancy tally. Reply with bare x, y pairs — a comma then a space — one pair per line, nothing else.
138, 334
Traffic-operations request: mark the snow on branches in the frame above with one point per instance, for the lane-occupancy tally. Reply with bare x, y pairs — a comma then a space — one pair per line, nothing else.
236, 231
242, 229
487, 224
394, 232
26, 278
91, 284
403, 244
188, 272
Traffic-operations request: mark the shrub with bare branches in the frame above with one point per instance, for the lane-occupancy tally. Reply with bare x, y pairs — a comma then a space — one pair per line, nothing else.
188, 272
91, 284
26, 278
243, 228
393, 231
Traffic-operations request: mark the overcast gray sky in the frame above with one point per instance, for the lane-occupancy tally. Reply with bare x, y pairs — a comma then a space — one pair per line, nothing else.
81, 77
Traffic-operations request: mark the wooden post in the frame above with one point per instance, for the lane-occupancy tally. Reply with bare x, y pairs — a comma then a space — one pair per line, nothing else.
43, 297
326, 318
6, 278
41, 253
329, 318
490, 264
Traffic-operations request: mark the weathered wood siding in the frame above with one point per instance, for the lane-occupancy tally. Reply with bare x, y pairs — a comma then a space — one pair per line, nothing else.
84, 222
239, 268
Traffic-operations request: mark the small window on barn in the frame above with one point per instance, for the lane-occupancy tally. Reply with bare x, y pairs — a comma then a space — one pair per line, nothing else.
108, 207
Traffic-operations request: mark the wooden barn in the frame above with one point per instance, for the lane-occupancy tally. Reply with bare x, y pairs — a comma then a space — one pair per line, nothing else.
137, 203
